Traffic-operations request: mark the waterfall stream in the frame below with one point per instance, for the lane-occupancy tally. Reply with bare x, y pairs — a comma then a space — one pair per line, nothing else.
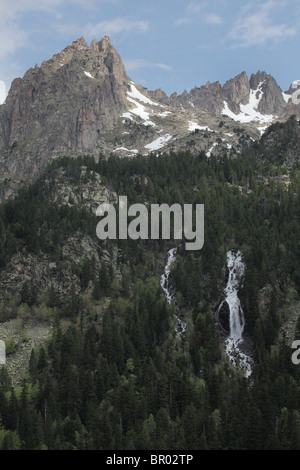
164, 282
236, 269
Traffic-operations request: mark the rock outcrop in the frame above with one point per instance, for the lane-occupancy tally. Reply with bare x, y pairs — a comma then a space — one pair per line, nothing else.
64, 106
81, 101
272, 101
236, 91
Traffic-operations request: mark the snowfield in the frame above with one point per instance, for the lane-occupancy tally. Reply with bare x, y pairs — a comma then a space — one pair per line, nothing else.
135, 94
137, 98
193, 126
89, 75
208, 154
249, 112
158, 143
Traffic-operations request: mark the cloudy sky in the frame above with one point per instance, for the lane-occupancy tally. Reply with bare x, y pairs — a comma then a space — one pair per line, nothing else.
169, 44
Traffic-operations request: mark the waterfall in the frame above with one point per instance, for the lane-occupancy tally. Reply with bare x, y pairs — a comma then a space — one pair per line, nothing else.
164, 282
236, 269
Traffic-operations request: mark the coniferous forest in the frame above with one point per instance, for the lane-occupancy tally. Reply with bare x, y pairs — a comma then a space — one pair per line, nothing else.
115, 374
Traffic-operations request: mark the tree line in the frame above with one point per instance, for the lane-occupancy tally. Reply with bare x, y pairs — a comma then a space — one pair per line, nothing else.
123, 378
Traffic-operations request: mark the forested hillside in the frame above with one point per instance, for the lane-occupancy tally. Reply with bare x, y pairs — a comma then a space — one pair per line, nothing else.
115, 373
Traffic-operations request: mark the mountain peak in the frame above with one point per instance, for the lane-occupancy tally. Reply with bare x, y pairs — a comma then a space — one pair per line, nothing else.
81, 101
236, 90
104, 44
80, 43
66, 105
257, 78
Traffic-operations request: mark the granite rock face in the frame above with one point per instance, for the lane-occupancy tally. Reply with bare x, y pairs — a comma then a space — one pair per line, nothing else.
272, 101
236, 90
207, 97
64, 106
81, 101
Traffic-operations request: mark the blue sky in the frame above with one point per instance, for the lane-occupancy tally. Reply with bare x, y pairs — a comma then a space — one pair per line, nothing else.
169, 44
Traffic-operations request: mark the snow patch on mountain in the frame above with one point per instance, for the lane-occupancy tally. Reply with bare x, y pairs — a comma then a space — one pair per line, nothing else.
208, 154
193, 126
164, 114
296, 94
262, 129
135, 94
135, 97
249, 112
139, 111
158, 143
88, 74
124, 149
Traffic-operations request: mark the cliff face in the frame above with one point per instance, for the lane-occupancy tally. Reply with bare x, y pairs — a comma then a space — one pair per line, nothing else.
65, 105
272, 101
81, 101
236, 92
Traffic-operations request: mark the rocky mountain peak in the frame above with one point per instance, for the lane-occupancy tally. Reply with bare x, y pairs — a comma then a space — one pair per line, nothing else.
271, 97
257, 78
113, 60
81, 101
294, 86
105, 44
63, 106
80, 44
236, 90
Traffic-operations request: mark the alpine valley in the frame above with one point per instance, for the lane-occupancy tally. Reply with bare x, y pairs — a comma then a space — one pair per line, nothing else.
141, 344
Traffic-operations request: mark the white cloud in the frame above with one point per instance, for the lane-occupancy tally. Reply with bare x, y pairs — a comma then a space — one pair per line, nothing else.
213, 19
183, 20
13, 35
110, 28
163, 66
16, 33
136, 64
116, 26
190, 11
256, 25
11, 38
195, 7
10, 10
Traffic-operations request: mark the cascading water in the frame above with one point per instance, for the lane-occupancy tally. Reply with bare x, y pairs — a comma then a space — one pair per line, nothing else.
236, 269
164, 282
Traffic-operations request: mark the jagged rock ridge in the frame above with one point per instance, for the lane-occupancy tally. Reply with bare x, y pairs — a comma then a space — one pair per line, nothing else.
63, 106
82, 101
236, 92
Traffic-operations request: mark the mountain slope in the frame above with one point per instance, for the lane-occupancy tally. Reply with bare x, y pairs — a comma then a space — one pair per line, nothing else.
81, 101
64, 106
114, 372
